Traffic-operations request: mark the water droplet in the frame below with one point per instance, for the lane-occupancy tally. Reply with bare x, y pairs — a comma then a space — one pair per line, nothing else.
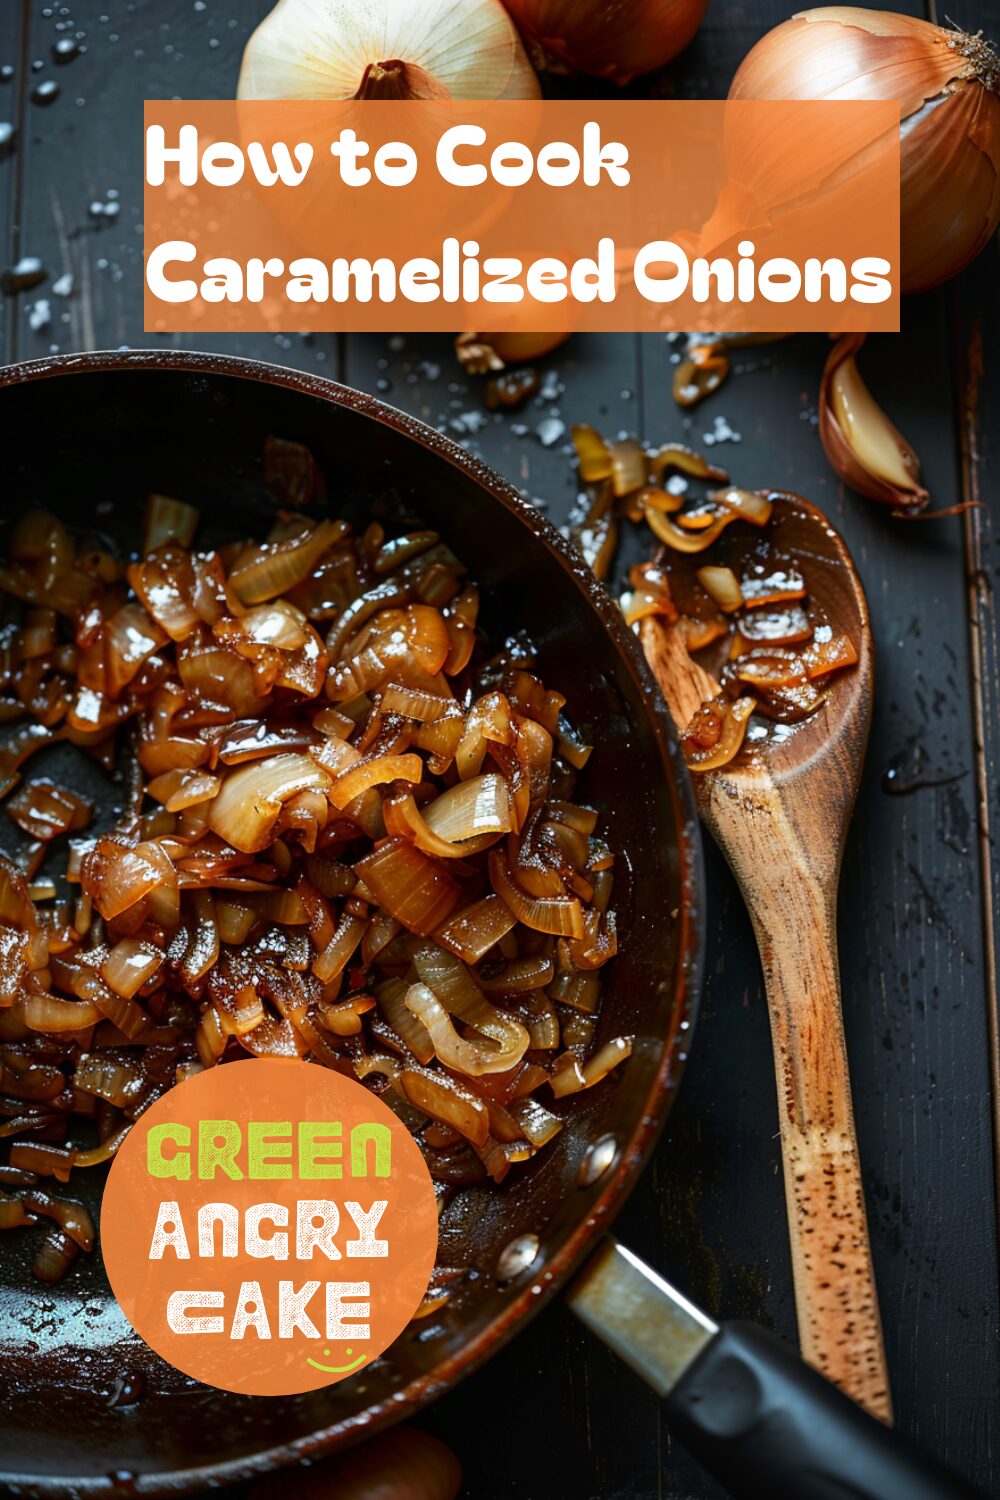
45, 92
6, 73
128, 1389
7, 134
64, 286
65, 49
907, 772
39, 315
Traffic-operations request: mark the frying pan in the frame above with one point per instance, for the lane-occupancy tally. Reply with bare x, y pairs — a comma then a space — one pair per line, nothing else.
88, 437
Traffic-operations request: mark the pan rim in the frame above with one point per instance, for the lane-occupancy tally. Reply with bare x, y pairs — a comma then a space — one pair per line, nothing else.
534, 1293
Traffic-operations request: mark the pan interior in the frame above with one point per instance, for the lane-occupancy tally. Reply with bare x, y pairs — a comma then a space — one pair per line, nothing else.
90, 444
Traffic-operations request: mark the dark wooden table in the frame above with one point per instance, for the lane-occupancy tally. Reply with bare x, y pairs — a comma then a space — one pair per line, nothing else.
918, 946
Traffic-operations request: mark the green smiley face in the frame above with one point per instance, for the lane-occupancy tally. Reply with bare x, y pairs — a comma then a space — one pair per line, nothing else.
337, 1369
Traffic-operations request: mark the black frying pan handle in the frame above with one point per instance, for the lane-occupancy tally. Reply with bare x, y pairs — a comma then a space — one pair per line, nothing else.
766, 1424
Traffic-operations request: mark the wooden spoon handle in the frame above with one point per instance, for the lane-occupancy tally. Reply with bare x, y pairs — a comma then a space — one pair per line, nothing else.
839, 1326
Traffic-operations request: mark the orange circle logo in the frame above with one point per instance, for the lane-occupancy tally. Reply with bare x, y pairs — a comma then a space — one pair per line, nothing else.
269, 1227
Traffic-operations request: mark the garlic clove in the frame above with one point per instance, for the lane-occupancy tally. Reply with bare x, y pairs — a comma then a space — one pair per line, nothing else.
862, 445
346, 49
486, 353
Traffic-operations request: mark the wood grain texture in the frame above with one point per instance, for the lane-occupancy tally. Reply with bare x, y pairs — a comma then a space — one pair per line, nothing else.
780, 816
709, 1211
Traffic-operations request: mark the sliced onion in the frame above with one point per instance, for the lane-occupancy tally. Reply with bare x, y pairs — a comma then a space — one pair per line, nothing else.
44, 1012
169, 521
571, 1075
716, 733
39, 634
117, 876
747, 504
130, 964
687, 541
73, 1218
56, 1254
723, 586
628, 466
413, 888
414, 703
376, 772
13, 1214
772, 667
443, 1099
23, 741
521, 977
468, 1057
592, 454
403, 819
391, 996
277, 626
471, 933
273, 568
165, 584
777, 584
822, 657
560, 915
478, 806
45, 810
178, 790
246, 810
429, 640
336, 955
131, 637
581, 991
117, 1079
489, 722
536, 1122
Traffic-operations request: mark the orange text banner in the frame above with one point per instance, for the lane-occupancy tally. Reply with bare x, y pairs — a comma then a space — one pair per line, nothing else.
607, 215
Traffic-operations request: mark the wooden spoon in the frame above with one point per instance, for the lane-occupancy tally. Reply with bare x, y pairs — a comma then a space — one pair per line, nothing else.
780, 814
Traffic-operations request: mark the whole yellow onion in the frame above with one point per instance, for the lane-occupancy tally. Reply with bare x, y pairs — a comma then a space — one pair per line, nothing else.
948, 87
386, 49
613, 39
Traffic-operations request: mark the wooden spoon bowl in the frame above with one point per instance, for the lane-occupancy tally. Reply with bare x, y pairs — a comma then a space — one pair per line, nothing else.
780, 812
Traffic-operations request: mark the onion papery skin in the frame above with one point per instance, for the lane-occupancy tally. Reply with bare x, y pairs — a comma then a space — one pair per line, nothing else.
350, 49
949, 111
613, 39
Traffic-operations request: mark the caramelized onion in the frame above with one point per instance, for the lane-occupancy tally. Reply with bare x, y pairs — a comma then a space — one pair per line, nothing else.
358, 849
469, 1057
45, 811
246, 809
413, 888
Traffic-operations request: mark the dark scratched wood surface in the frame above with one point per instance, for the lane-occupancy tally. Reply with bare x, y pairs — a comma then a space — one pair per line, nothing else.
918, 946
